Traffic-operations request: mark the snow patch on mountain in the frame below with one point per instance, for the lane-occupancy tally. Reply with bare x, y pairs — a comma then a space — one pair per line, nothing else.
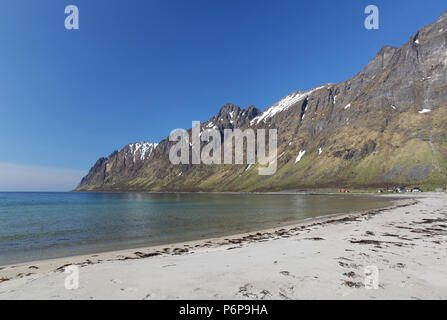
300, 156
283, 105
249, 166
142, 150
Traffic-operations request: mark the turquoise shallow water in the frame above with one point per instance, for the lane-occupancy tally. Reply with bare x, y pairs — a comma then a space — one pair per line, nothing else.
36, 226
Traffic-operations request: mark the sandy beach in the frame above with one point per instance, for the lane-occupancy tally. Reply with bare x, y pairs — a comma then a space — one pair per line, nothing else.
319, 259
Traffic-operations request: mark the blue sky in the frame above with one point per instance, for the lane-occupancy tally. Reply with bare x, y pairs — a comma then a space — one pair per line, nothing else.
137, 69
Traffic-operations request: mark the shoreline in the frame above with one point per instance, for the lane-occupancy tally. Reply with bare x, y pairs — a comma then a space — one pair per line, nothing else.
317, 259
216, 236
208, 242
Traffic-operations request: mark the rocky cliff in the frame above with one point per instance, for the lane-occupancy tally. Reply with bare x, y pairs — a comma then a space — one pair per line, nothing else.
385, 126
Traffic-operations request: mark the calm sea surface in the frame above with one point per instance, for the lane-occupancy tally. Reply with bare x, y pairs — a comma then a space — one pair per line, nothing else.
36, 226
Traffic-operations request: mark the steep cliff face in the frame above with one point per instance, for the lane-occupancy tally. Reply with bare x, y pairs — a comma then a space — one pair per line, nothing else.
120, 165
385, 126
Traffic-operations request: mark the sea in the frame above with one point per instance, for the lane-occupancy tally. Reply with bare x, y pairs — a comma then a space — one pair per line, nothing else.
38, 226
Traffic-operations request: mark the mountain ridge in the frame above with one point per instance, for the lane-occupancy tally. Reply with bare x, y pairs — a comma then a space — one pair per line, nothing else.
382, 127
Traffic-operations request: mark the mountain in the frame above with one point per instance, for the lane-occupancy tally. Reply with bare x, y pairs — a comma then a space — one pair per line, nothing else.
386, 126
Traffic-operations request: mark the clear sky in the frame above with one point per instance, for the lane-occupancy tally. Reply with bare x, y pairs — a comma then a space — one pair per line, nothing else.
135, 70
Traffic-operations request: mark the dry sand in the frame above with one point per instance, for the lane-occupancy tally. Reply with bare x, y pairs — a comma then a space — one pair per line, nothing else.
323, 259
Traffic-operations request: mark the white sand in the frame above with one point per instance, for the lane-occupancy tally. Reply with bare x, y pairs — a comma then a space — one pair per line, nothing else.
312, 260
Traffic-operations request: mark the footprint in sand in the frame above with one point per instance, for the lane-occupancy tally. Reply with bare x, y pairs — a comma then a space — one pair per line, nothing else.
148, 296
287, 274
286, 293
248, 291
116, 281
